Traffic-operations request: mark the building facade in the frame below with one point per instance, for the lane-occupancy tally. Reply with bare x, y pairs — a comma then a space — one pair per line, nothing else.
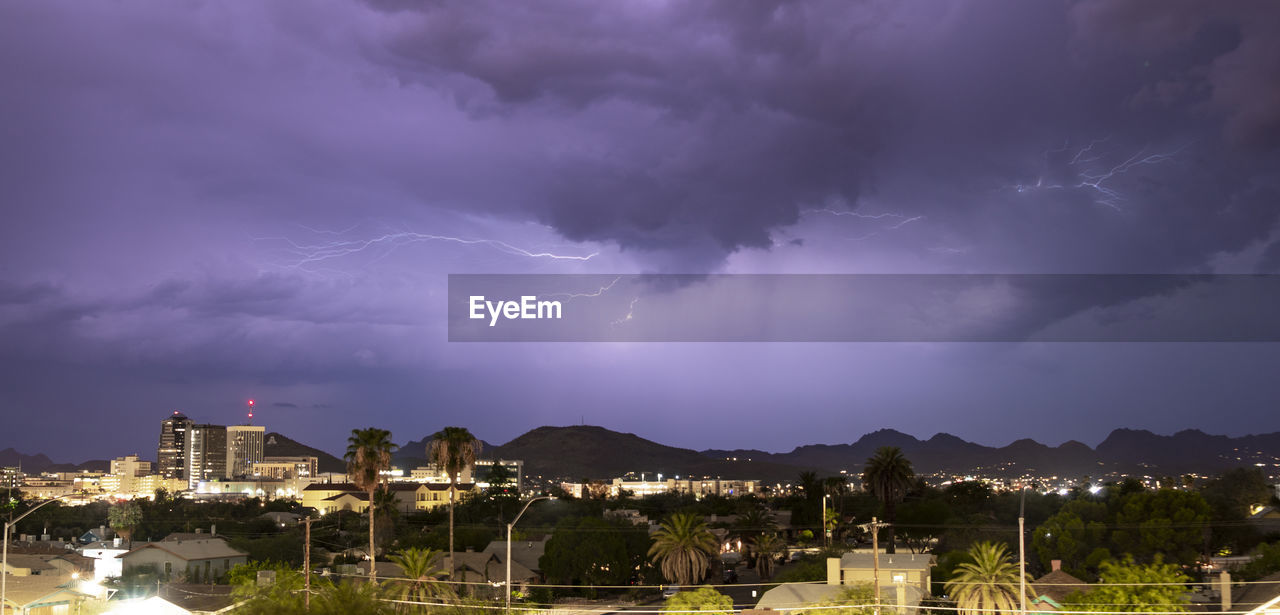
285, 467
244, 448
171, 454
206, 450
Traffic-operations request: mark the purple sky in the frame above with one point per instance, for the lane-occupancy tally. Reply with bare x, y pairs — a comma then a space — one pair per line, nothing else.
206, 202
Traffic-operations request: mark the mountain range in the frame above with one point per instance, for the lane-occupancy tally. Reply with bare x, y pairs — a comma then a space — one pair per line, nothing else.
584, 451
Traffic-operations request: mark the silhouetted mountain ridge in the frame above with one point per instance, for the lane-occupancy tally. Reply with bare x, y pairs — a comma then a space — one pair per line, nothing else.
587, 451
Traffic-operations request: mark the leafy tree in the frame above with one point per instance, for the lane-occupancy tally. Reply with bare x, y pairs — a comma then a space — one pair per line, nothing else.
683, 547
888, 475
593, 551
856, 599
285, 595
422, 576
1172, 523
1268, 561
1128, 586
1230, 496
453, 449
351, 599
989, 582
501, 482
705, 598
921, 521
124, 518
368, 455
1075, 532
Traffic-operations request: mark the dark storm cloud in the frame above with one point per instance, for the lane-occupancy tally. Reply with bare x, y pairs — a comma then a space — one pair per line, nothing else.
761, 110
170, 168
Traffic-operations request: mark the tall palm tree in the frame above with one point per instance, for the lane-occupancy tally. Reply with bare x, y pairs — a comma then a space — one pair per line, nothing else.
888, 475
368, 455
987, 584
422, 582
767, 549
683, 548
453, 449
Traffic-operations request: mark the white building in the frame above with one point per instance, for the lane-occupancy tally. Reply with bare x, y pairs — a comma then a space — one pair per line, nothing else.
244, 448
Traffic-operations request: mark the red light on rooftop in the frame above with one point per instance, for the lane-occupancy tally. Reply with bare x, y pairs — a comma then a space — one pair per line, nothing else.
250, 402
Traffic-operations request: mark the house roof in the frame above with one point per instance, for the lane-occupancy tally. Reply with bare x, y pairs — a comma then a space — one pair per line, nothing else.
488, 566
30, 562
1057, 585
198, 597
523, 552
1258, 592
22, 591
791, 596
398, 486
191, 550
898, 561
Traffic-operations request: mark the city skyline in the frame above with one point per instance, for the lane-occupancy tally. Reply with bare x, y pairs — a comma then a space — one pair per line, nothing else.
207, 204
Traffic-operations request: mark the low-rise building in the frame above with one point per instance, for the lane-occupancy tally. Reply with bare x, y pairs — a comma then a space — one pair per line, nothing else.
907, 574
202, 558
286, 467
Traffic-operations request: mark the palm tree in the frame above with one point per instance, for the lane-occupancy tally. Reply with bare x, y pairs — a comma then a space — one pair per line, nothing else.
987, 584
368, 455
811, 485
683, 547
767, 549
751, 525
453, 449
888, 475
422, 576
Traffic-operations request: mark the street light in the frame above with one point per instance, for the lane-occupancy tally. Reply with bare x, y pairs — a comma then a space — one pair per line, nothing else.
1022, 551
4, 563
510, 527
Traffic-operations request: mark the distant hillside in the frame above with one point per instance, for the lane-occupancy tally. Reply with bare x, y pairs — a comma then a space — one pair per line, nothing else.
279, 445
34, 464
1125, 450
585, 451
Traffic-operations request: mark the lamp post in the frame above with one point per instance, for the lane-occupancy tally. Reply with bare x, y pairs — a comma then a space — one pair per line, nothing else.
1022, 553
510, 527
4, 563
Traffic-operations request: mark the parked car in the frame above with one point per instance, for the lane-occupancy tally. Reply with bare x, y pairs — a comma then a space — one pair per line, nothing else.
670, 591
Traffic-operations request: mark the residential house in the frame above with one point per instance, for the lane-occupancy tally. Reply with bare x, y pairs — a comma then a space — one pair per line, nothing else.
526, 553
42, 595
205, 558
410, 496
1050, 589
905, 574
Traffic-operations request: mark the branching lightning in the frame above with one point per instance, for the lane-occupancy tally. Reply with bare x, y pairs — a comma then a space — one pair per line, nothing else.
1094, 177
899, 220
307, 253
596, 293
631, 310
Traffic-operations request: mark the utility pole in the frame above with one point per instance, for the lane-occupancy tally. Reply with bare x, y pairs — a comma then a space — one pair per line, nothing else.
875, 526
306, 564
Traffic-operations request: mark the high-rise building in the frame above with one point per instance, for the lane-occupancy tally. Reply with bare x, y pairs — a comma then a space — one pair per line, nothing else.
244, 448
171, 455
206, 453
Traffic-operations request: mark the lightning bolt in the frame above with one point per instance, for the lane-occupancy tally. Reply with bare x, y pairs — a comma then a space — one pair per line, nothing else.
900, 220
1091, 177
631, 310
600, 291
305, 254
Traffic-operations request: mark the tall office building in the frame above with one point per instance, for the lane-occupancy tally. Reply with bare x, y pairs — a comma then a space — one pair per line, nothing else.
206, 453
171, 455
244, 448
